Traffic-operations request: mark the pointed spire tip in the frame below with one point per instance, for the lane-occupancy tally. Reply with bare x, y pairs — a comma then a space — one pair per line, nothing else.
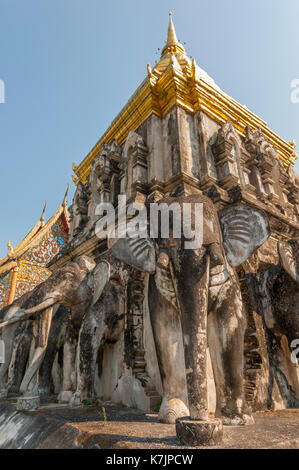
66, 193
172, 42
171, 37
42, 217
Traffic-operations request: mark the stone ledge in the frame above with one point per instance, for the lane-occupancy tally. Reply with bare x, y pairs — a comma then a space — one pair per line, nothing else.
61, 427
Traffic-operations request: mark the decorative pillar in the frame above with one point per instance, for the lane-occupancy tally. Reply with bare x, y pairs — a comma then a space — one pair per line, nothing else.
13, 285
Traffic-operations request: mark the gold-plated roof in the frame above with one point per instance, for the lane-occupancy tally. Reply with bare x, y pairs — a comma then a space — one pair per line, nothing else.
177, 81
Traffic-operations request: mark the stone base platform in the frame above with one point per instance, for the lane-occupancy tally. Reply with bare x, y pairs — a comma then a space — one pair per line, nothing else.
55, 426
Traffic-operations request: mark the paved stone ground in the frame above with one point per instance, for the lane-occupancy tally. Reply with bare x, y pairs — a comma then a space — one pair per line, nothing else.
124, 428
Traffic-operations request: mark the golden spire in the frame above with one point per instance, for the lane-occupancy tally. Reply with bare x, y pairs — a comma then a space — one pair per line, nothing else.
171, 38
172, 44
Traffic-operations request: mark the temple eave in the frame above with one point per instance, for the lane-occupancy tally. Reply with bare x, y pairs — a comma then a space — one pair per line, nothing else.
20, 267
174, 88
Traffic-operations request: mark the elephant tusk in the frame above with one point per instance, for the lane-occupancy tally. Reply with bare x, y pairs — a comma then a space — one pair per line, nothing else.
2, 325
46, 304
23, 314
13, 320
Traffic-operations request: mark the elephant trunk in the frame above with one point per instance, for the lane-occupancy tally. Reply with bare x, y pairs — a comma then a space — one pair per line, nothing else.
194, 294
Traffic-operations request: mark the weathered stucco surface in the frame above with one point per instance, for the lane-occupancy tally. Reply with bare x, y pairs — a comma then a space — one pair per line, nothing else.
150, 324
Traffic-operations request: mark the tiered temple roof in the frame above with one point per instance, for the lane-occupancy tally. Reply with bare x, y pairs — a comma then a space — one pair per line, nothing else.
176, 80
24, 267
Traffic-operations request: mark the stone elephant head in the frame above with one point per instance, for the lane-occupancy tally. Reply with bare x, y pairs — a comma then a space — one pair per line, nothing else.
194, 297
68, 286
275, 296
289, 257
286, 308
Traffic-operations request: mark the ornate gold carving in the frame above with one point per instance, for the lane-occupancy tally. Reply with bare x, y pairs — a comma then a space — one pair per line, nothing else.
9, 246
13, 285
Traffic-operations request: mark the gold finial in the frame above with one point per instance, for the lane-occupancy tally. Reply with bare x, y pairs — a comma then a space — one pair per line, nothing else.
42, 217
293, 143
65, 196
172, 43
9, 246
171, 37
149, 70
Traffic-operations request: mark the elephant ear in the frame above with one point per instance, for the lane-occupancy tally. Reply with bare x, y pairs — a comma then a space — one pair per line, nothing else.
288, 259
137, 252
244, 230
100, 278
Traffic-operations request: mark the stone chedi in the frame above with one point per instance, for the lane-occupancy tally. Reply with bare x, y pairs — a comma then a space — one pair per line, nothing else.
205, 332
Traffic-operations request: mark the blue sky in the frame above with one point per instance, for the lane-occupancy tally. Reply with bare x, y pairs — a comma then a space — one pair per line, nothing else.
70, 65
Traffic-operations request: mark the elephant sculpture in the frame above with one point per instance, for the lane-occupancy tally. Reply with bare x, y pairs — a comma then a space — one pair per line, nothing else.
274, 294
195, 299
103, 323
60, 288
79, 287
22, 347
8, 336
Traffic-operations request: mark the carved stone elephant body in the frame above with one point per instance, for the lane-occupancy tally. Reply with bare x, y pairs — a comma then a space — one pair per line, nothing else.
59, 289
195, 300
275, 296
96, 315
209, 299
102, 322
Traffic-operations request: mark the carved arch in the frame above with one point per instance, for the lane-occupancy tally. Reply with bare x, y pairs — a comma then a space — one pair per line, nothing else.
265, 165
134, 163
227, 153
